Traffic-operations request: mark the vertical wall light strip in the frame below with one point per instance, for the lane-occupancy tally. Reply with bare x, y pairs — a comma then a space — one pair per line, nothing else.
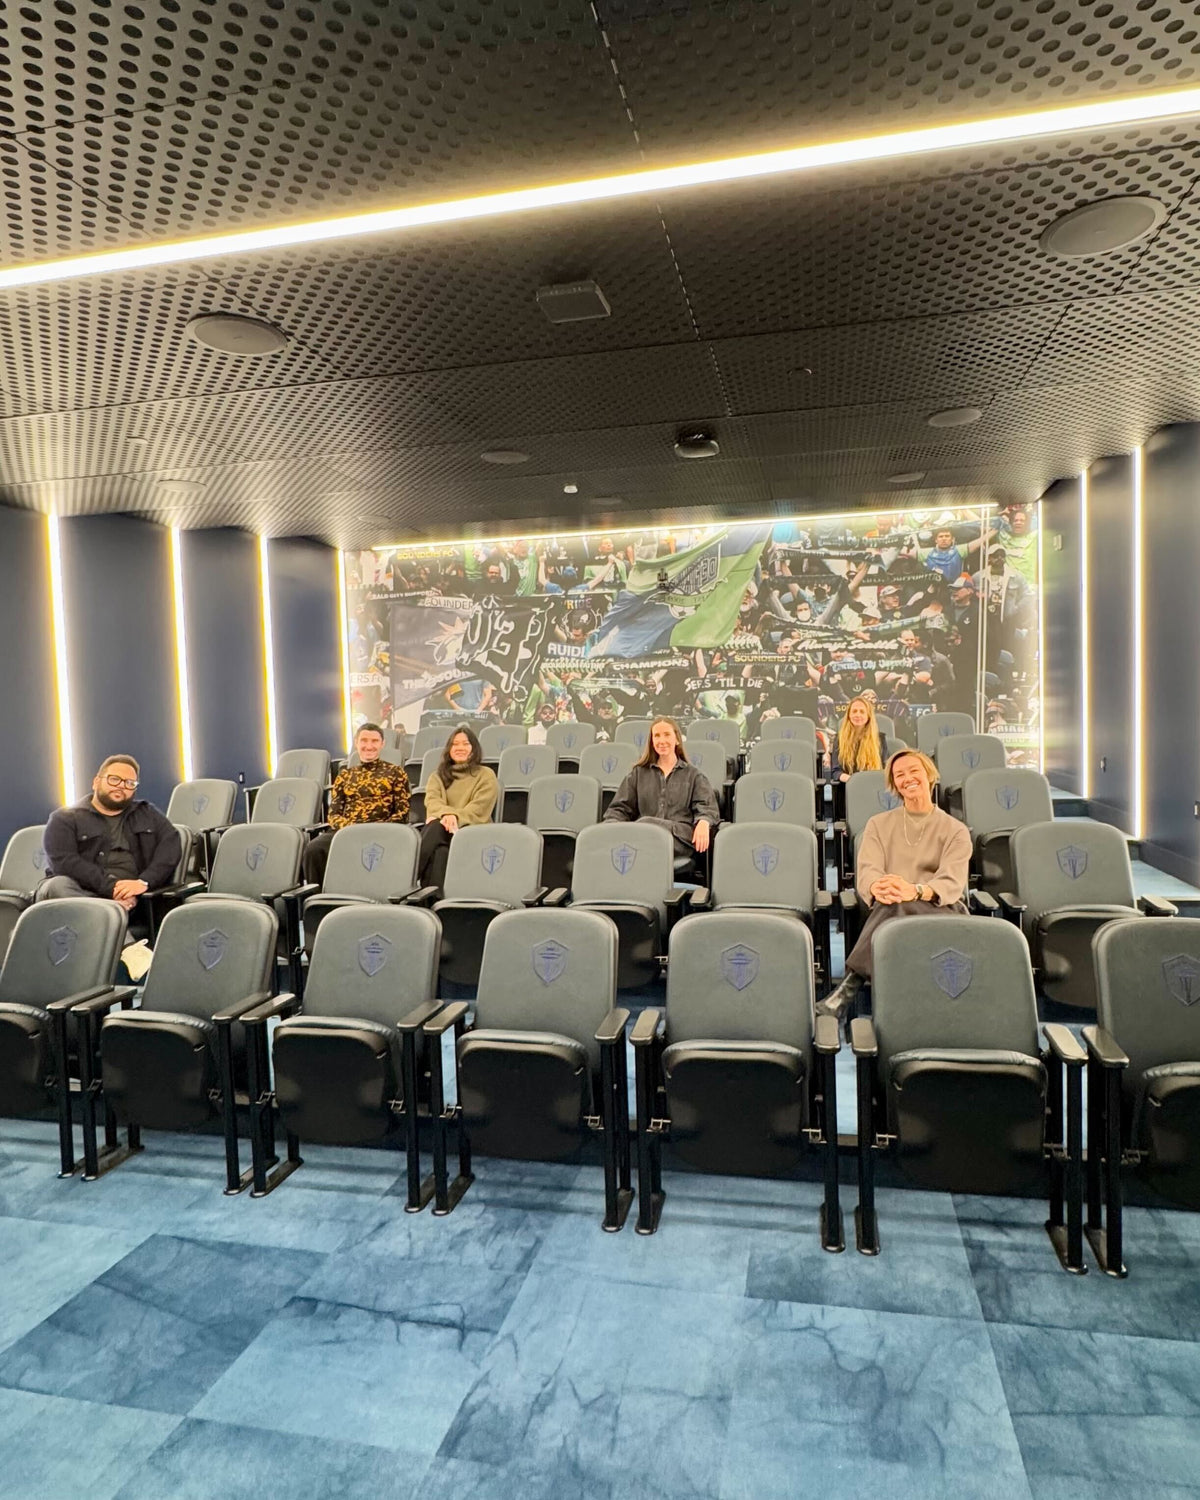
1041, 640
344, 638
1085, 687
183, 690
1138, 793
62, 679
264, 588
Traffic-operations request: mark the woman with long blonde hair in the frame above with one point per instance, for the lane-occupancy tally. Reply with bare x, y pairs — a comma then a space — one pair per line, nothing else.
859, 745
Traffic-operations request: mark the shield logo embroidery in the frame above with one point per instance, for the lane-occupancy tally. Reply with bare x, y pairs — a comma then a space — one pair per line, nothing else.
526, 764
944, 730
502, 742
200, 803
1072, 861
624, 857
970, 758
210, 948
712, 734
787, 734
549, 960
1008, 797
610, 764
783, 759
39, 858
256, 855
492, 858
765, 857
1181, 975
373, 953
286, 803
887, 800
739, 966
302, 768
568, 741
61, 944
639, 738
774, 798
564, 800
371, 857
952, 972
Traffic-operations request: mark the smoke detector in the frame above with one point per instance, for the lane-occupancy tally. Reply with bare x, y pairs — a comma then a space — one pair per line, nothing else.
231, 333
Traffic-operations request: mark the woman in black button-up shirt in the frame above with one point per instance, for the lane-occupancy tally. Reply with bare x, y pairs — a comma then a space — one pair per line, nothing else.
664, 787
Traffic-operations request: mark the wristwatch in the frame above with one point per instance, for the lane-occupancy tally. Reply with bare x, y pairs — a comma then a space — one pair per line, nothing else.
920, 891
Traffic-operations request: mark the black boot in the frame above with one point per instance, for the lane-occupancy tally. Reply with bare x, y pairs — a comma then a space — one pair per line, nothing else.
842, 999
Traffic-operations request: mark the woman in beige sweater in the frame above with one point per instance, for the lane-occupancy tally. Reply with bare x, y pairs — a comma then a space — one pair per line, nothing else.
912, 861
462, 791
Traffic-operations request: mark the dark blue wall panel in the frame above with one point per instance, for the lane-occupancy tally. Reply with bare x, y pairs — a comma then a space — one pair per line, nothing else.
121, 647
1060, 564
308, 667
1111, 637
29, 744
223, 612
1171, 532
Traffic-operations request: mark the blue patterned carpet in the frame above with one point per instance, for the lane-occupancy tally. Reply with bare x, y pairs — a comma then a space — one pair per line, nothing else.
161, 1342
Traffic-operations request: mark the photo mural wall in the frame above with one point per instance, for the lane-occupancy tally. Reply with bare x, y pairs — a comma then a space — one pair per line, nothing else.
922, 610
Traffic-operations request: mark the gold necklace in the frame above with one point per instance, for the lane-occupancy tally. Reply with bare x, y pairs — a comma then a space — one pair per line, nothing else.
912, 843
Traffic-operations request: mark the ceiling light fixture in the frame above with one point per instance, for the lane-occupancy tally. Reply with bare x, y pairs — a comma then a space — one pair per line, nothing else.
1098, 228
698, 444
955, 416
504, 456
573, 303
570, 489
1133, 109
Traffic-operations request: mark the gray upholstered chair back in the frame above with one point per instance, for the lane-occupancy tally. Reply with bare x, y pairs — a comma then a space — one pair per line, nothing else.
24, 865
570, 802
958, 757
886, 727
997, 800
311, 764
709, 759
429, 764
633, 732
432, 737
790, 727
1071, 862
765, 864
723, 732
1148, 989
867, 794
376, 860
295, 800
495, 739
61, 947
202, 804
373, 963
254, 859
740, 977
939, 726
775, 797
609, 764
774, 757
548, 969
571, 739
520, 765
953, 982
625, 862
495, 862
185, 853
209, 955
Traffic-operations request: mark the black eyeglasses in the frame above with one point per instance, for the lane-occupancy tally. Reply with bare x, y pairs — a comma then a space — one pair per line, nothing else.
115, 781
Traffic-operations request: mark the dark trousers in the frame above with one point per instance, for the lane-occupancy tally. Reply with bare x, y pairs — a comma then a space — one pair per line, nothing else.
316, 857
435, 851
860, 960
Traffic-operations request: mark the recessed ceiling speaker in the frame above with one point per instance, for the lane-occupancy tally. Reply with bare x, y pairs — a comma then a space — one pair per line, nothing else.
231, 333
911, 476
955, 416
1097, 228
573, 303
504, 456
696, 444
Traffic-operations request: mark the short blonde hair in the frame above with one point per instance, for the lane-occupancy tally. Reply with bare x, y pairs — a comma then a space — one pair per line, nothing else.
890, 769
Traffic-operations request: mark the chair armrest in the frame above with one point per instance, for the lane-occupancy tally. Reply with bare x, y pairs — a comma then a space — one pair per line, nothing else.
446, 1018
286, 1004
827, 1036
678, 895
841, 828
416, 1019
297, 891
401, 897
701, 900
1102, 1047
863, 1041
1064, 1044
984, 903
536, 897
1156, 906
94, 1001
612, 1029
183, 890
239, 1008
647, 1027
848, 900
315, 827
424, 895
559, 896
824, 901
1010, 906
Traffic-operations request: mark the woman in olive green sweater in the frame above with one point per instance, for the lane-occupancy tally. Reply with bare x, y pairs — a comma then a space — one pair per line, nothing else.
460, 792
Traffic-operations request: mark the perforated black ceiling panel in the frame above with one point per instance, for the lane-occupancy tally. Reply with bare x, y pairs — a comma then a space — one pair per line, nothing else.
812, 323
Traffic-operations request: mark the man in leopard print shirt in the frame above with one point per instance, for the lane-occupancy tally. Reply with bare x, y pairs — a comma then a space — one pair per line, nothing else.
373, 792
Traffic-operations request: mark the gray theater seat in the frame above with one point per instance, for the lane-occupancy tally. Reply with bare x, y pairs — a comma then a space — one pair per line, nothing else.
495, 739
570, 740
520, 766
867, 793
206, 807
560, 807
609, 765
304, 765
633, 732
938, 726
21, 872
738, 1074
368, 863
294, 800
958, 757
995, 803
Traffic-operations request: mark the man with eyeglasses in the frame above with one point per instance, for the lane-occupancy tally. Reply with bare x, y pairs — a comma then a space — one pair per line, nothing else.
111, 844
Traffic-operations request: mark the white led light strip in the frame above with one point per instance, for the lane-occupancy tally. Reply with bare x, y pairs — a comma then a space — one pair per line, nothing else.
1041, 578
1133, 109
264, 586
62, 679
344, 623
1138, 801
1085, 686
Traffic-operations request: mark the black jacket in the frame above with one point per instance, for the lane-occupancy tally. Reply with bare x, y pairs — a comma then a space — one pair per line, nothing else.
683, 799
73, 846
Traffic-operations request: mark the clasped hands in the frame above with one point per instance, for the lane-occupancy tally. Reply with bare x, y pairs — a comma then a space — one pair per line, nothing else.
126, 892
890, 890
